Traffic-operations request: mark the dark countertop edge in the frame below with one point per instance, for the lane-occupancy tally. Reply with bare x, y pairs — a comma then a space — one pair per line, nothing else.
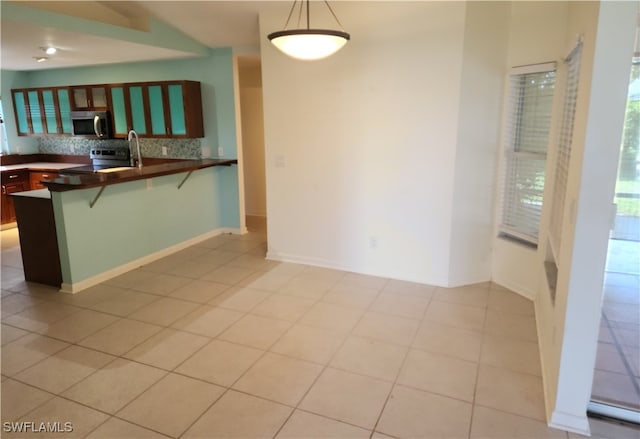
91, 180
37, 193
28, 168
25, 159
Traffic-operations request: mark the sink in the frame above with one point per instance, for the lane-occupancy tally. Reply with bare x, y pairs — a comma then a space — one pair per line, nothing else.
121, 168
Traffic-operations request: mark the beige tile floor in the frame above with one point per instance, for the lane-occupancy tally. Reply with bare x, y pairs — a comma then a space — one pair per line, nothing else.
214, 341
617, 376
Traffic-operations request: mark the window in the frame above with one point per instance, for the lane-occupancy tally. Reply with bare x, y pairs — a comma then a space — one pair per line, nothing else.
564, 148
526, 137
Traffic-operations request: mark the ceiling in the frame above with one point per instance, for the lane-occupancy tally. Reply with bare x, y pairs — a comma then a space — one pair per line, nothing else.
209, 23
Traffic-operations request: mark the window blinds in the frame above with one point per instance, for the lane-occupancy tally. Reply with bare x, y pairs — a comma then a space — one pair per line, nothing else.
526, 138
563, 149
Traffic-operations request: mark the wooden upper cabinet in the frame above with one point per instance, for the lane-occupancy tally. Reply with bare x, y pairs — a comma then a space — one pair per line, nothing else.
166, 109
42, 111
89, 97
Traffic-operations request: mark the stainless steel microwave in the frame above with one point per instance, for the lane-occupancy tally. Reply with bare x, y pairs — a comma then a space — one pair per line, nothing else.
91, 124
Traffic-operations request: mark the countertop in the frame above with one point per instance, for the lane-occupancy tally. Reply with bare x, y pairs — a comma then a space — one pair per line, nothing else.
40, 166
69, 180
38, 193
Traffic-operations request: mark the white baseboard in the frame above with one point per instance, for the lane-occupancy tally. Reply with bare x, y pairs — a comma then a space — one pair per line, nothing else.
323, 263
76, 287
570, 422
516, 287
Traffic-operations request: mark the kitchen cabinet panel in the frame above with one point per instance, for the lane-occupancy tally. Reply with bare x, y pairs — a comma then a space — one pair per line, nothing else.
138, 112
35, 177
12, 182
156, 108
38, 239
176, 108
118, 111
89, 97
50, 117
42, 111
21, 110
64, 109
153, 109
35, 112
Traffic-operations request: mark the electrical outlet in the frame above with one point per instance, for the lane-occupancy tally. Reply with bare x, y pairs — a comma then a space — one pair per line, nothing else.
72, 147
164, 150
220, 151
206, 152
373, 242
280, 161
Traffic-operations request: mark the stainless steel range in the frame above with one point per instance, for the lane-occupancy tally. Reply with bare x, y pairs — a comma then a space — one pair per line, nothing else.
104, 157
109, 157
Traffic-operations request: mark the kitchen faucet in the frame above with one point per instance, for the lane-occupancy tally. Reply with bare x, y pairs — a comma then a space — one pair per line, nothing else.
130, 137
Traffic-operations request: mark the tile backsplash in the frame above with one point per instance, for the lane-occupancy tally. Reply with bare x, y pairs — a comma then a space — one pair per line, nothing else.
176, 148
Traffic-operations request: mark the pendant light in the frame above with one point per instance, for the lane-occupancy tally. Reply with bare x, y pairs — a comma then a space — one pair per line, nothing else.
307, 43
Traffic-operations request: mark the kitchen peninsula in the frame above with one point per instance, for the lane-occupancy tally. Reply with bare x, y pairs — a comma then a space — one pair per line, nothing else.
107, 223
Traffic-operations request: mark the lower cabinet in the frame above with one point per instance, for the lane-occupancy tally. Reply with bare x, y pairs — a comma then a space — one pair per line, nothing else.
36, 177
38, 239
12, 182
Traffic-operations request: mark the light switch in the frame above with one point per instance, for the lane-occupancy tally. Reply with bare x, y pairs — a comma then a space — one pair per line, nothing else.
279, 161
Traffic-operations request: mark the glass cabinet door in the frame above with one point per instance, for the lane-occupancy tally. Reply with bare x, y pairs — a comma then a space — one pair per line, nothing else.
49, 112
98, 97
80, 98
156, 108
137, 110
64, 107
119, 111
20, 106
176, 107
34, 112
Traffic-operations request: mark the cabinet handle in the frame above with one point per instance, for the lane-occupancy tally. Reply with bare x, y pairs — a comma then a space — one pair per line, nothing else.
45, 176
14, 176
4, 190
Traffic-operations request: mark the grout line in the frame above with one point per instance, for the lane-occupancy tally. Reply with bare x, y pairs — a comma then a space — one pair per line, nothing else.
475, 387
325, 366
620, 351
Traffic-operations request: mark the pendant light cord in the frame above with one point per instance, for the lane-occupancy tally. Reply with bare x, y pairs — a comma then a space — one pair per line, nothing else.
335, 17
301, 6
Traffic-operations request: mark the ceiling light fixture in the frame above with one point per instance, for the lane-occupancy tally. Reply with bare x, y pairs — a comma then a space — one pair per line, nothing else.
50, 50
40, 58
307, 43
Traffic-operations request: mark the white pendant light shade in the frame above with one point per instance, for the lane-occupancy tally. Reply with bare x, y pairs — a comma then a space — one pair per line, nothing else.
309, 44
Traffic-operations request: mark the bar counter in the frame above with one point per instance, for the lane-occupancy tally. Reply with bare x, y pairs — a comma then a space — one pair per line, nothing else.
72, 179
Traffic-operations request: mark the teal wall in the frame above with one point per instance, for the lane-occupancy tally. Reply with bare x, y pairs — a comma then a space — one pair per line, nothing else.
17, 144
133, 220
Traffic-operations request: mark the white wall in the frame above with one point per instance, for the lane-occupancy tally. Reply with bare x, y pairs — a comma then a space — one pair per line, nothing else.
568, 329
485, 48
537, 35
368, 151
252, 137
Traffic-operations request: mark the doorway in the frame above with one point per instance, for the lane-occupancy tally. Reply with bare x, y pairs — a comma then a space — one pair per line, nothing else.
616, 383
252, 122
